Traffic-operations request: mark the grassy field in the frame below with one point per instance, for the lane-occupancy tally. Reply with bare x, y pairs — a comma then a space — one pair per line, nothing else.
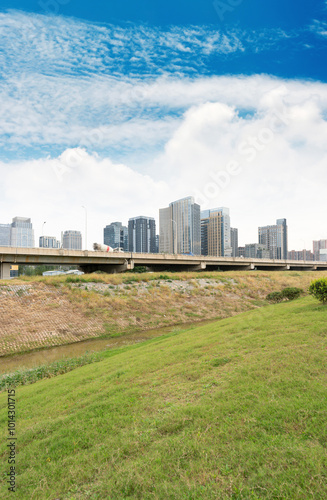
67, 309
231, 410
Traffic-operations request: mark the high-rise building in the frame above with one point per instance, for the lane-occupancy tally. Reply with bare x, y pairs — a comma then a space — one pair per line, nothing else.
274, 238
142, 234
216, 232
72, 240
115, 235
48, 242
323, 254
234, 241
300, 255
256, 251
5, 235
241, 252
22, 233
124, 238
317, 246
180, 227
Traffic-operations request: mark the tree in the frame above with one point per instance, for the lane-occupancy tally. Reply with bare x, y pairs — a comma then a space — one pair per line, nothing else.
318, 288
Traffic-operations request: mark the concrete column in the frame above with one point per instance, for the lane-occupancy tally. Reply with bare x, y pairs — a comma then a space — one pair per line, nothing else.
4, 271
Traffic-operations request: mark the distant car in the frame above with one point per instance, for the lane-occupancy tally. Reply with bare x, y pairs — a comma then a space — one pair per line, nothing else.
75, 271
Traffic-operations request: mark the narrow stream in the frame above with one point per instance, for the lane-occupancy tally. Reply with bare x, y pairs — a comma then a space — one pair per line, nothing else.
32, 359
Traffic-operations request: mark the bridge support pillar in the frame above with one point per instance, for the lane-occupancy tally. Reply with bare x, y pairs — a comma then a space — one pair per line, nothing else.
201, 267
4, 271
122, 268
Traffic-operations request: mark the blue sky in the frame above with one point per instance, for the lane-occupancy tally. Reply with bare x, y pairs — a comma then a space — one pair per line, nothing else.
165, 94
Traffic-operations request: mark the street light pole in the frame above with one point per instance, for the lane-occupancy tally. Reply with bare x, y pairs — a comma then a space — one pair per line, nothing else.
43, 232
85, 226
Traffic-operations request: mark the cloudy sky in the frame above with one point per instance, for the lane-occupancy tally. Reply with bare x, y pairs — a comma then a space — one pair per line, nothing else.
123, 107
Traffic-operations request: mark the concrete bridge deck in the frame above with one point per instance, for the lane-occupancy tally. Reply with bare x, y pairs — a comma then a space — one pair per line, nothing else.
90, 261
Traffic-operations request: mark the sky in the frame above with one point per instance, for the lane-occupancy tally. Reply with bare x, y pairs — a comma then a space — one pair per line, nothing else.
123, 107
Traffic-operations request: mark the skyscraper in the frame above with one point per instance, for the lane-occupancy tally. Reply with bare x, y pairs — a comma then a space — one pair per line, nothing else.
234, 241
5, 235
275, 238
142, 234
317, 246
72, 240
48, 242
22, 233
180, 227
216, 232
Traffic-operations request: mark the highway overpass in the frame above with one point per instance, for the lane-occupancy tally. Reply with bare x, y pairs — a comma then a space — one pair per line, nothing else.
90, 261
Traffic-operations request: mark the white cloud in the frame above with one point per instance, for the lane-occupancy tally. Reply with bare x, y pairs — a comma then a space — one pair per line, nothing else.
279, 150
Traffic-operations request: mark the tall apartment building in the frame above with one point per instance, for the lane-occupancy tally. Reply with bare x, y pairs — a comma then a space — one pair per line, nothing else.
323, 254
48, 242
115, 235
234, 241
256, 251
301, 255
317, 246
180, 227
216, 232
275, 238
142, 234
22, 233
5, 235
72, 240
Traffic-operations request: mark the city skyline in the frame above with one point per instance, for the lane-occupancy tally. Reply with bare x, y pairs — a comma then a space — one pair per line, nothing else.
112, 108
272, 240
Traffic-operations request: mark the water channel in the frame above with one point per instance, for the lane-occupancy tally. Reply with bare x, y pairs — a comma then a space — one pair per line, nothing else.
9, 364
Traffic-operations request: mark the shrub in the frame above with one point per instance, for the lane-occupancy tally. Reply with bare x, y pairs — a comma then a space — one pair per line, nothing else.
290, 293
140, 269
318, 288
275, 297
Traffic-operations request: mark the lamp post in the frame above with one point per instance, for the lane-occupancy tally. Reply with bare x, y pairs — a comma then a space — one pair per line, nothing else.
43, 233
85, 226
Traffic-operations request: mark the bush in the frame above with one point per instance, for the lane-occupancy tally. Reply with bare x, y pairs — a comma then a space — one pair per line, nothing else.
318, 289
275, 297
140, 269
290, 293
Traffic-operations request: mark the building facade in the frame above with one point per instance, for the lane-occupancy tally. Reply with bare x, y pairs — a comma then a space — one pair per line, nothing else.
22, 233
301, 255
142, 235
216, 233
275, 238
48, 242
180, 227
234, 241
256, 251
317, 246
323, 254
72, 240
5, 235
115, 235
241, 252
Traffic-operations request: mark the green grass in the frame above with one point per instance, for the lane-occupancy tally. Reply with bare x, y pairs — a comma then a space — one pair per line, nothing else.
231, 410
32, 375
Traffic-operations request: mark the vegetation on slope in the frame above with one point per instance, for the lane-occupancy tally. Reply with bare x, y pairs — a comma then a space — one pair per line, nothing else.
235, 409
66, 309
